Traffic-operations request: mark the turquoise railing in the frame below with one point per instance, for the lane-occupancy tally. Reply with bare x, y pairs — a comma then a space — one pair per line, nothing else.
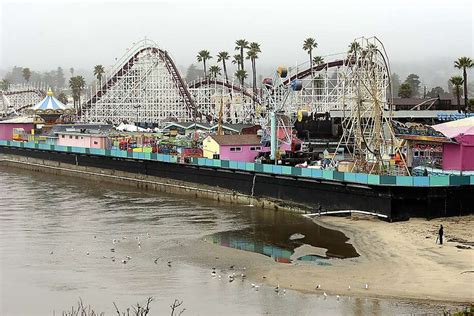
361, 178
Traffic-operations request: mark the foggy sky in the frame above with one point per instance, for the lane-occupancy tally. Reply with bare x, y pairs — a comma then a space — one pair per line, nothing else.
45, 34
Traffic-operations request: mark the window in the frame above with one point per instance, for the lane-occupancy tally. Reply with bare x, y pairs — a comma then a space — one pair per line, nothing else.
62, 136
235, 149
82, 137
95, 142
70, 137
258, 148
77, 137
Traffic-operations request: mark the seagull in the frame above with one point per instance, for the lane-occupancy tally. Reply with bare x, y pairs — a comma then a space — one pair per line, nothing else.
337, 297
257, 287
51, 253
112, 249
148, 235
253, 284
318, 286
114, 241
349, 288
243, 275
231, 267
277, 289
87, 253
366, 286
325, 295
156, 260
128, 257
169, 264
124, 261
113, 259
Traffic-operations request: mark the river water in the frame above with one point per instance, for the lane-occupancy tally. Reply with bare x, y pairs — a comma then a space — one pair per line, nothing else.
57, 245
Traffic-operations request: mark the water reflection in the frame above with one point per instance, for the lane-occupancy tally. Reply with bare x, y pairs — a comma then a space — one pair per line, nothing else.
272, 236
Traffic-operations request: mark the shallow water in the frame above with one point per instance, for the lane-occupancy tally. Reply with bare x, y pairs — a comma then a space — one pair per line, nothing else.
56, 236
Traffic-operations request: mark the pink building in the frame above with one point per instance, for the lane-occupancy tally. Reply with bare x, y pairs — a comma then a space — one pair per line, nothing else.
77, 139
232, 147
6, 127
459, 155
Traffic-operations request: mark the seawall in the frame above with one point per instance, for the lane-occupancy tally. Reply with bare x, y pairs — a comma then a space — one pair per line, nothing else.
145, 182
259, 188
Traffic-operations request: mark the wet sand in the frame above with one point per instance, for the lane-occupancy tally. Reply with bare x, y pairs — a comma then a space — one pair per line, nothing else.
397, 260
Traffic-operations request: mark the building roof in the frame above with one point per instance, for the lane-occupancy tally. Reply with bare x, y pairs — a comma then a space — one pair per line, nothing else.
18, 120
227, 140
456, 128
187, 125
80, 128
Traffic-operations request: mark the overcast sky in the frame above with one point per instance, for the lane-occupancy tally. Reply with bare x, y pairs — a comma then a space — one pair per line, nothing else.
44, 34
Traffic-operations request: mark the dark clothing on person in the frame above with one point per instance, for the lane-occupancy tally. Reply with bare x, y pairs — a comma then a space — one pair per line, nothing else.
440, 234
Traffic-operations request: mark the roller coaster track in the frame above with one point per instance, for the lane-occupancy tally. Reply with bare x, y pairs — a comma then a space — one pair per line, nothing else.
170, 66
206, 81
307, 72
39, 92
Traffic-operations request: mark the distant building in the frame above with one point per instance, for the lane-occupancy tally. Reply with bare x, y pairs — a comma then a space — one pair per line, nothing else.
434, 104
77, 139
81, 135
232, 147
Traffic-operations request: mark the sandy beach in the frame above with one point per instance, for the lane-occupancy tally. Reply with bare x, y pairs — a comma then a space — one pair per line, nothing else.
397, 260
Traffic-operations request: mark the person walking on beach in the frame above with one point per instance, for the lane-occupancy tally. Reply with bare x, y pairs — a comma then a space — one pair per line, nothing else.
440, 234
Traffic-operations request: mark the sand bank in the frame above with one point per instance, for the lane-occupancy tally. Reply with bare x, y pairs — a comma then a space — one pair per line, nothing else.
396, 260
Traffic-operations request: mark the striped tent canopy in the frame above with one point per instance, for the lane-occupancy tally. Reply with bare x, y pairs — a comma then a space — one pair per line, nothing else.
50, 104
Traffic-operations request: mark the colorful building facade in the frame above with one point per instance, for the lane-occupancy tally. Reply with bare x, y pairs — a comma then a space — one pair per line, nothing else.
232, 147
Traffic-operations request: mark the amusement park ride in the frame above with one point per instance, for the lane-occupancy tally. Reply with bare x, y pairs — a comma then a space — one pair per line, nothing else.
145, 86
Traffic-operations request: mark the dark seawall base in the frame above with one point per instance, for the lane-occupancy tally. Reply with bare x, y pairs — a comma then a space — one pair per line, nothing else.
395, 202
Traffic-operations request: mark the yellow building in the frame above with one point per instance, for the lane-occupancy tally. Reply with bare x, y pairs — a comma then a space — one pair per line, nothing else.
210, 147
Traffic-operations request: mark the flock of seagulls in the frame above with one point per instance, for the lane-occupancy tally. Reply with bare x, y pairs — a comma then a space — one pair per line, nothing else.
231, 277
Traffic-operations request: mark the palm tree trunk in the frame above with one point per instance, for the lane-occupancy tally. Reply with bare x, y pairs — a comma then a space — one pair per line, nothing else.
458, 95
254, 82
466, 104
242, 57
204, 66
226, 77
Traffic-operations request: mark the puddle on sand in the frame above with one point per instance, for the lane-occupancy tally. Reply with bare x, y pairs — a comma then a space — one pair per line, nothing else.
273, 240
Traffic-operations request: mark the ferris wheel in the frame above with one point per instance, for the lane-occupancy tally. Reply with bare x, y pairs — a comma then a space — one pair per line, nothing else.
366, 121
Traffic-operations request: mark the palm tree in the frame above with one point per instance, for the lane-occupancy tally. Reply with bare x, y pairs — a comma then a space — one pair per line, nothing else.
241, 44
214, 71
77, 84
222, 57
464, 63
308, 46
237, 60
354, 47
457, 82
252, 54
98, 72
26, 74
4, 85
318, 60
241, 75
202, 56
62, 97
